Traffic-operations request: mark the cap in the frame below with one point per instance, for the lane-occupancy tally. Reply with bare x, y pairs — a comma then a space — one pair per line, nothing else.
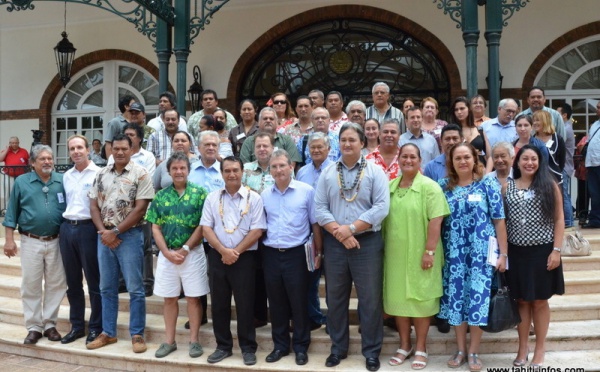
136, 106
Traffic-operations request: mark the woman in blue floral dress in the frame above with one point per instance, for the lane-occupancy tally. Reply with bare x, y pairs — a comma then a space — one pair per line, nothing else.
476, 214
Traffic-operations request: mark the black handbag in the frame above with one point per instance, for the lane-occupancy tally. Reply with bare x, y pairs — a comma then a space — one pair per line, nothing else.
504, 310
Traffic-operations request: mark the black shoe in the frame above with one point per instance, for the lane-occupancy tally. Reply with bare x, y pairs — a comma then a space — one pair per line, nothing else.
334, 359
442, 325
203, 321
72, 336
301, 358
373, 364
52, 334
314, 325
32, 338
249, 358
91, 337
122, 289
259, 323
589, 226
187, 325
149, 289
218, 356
275, 356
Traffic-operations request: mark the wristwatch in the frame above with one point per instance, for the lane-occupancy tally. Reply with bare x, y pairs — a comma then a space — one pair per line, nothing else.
430, 253
115, 230
186, 248
557, 249
352, 228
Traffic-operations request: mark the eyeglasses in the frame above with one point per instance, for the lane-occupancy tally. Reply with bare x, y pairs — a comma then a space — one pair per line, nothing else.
279, 102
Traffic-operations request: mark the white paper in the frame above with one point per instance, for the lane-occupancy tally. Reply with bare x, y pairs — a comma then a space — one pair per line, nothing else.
494, 252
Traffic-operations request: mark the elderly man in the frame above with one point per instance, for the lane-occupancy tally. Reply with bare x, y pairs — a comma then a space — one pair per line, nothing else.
317, 97
357, 111
119, 199
175, 216
426, 142
289, 207
382, 109
304, 125
387, 153
35, 207
210, 102
232, 221
335, 107
320, 119
166, 101
160, 142
115, 126
451, 135
536, 100
318, 145
267, 122
76, 233
501, 128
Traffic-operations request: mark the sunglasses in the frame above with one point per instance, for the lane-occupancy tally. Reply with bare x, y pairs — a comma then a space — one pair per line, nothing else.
279, 102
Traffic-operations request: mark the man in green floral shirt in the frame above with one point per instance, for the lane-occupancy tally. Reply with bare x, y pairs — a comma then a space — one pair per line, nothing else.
175, 216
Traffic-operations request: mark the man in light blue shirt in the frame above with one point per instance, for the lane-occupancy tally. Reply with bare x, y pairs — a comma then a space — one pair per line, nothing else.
206, 172
289, 207
425, 142
320, 119
592, 164
536, 100
451, 135
502, 127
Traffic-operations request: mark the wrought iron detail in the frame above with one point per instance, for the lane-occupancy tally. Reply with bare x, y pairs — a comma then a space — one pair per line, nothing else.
348, 55
203, 14
137, 12
452, 8
509, 7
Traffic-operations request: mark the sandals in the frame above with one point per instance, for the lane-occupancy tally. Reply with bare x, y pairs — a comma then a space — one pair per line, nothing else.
396, 361
475, 364
419, 364
520, 362
458, 359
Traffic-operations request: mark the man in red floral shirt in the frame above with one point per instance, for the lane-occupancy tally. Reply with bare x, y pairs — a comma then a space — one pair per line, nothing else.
386, 154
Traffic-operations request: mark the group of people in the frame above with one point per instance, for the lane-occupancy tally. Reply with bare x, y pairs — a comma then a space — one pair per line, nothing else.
395, 201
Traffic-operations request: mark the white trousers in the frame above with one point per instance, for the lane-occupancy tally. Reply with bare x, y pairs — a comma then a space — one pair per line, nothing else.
44, 284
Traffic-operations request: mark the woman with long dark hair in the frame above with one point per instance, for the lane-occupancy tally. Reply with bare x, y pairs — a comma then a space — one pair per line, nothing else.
535, 225
463, 115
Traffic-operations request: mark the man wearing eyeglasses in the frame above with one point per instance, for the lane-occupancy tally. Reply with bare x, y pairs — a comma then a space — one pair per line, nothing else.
36, 205
502, 127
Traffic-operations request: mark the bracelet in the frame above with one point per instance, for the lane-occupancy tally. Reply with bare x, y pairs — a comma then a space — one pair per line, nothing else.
503, 255
557, 249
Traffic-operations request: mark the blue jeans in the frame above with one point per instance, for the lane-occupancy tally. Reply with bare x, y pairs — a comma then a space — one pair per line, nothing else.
129, 257
567, 205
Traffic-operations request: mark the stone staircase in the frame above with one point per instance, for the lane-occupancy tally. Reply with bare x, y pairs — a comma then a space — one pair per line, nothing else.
573, 339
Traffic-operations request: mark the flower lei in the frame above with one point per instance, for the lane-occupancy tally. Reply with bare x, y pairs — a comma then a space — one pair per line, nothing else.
356, 183
242, 213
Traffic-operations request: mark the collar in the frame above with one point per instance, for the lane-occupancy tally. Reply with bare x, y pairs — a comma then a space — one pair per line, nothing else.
395, 184
199, 164
127, 167
91, 167
242, 192
54, 177
323, 165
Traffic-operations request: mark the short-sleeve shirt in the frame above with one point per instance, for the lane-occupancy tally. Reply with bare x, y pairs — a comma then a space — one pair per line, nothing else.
243, 210
177, 215
256, 178
281, 142
16, 159
392, 170
116, 193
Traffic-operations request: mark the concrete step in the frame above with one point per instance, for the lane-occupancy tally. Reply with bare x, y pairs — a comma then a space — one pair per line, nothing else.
120, 357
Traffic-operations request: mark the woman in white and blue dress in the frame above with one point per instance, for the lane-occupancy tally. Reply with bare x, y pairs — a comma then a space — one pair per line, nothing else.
535, 225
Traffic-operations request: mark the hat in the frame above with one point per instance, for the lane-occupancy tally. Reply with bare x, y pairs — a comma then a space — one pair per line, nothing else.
136, 106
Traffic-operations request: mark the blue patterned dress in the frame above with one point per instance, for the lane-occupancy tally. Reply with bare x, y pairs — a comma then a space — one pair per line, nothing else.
466, 275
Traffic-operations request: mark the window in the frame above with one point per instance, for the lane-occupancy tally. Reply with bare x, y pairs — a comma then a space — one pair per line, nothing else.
91, 100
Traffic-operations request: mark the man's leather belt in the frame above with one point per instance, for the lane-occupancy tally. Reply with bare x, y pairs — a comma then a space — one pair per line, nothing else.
42, 238
78, 222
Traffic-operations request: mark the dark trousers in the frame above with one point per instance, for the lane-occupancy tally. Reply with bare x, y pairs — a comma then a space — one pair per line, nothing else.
148, 271
583, 199
79, 251
261, 310
593, 186
236, 279
364, 267
286, 279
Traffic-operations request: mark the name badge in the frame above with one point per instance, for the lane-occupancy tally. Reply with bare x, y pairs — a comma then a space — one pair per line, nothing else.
275, 148
240, 136
474, 197
437, 131
61, 197
549, 143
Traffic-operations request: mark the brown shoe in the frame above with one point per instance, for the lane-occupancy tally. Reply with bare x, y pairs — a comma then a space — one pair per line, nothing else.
101, 341
138, 343
52, 334
32, 338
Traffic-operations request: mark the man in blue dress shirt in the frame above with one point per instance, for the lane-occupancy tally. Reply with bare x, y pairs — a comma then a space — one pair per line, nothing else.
451, 135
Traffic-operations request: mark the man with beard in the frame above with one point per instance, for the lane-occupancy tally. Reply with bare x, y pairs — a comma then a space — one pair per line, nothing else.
35, 207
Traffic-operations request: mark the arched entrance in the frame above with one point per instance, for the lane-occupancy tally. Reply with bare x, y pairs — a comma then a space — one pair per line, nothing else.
346, 48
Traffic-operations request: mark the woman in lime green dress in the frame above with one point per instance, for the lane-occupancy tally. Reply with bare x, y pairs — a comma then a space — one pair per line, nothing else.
413, 255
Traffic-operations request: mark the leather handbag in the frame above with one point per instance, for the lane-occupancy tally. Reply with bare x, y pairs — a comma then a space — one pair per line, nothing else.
574, 244
504, 311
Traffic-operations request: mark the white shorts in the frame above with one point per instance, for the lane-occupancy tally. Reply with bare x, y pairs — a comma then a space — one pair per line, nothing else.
191, 274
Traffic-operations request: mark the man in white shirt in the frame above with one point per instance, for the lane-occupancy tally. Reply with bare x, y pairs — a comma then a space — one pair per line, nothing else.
166, 102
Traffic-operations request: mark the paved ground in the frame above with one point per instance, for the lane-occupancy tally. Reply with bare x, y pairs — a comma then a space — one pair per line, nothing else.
17, 363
